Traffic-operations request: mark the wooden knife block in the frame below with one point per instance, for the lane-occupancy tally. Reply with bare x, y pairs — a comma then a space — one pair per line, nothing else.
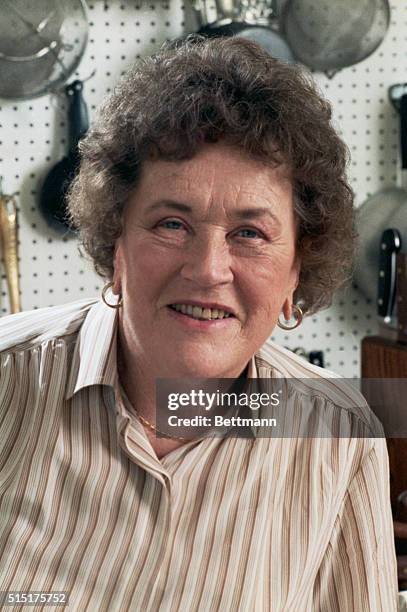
382, 358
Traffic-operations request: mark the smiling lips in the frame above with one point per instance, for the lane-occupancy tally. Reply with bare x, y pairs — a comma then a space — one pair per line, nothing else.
201, 313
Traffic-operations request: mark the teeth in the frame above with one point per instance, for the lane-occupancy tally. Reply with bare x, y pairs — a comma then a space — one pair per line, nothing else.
201, 313
197, 312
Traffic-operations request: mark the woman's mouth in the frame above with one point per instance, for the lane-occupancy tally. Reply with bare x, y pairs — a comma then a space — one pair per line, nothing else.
197, 318
201, 314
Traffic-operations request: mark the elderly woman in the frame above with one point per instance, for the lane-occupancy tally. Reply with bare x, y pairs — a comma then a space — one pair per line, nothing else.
212, 196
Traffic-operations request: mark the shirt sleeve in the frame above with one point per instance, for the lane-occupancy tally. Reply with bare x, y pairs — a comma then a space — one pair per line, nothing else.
358, 572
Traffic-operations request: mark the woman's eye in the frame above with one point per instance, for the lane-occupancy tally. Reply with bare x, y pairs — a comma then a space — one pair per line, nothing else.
249, 233
171, 224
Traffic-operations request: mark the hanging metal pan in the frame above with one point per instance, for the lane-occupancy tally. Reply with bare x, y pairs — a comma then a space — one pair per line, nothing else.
327, 35
52, 201
253, 21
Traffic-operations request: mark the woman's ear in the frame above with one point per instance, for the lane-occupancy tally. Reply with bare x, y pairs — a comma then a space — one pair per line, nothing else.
287, 306
287, 309
117, 269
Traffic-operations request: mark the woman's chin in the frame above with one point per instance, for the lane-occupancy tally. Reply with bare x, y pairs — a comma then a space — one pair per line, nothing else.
198, 367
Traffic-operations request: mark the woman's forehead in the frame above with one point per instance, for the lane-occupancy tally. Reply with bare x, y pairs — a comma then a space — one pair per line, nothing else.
216, 168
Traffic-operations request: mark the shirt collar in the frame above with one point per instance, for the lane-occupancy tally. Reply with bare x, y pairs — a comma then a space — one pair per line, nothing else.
252, 371
94, 359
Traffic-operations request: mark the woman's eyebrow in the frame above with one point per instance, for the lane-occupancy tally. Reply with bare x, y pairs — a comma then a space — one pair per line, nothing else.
169, 204
244, 213
255, 213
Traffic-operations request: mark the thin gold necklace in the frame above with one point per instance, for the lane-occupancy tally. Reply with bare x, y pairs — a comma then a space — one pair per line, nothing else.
124, 394
155, 428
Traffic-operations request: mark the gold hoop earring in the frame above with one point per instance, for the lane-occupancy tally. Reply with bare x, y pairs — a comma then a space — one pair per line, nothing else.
105, 290
298, 314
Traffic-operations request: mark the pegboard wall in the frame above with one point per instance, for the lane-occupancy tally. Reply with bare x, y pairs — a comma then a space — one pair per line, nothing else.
33, 137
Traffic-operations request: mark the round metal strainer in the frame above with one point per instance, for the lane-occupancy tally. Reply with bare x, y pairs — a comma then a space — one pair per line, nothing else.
328, 35
41, 45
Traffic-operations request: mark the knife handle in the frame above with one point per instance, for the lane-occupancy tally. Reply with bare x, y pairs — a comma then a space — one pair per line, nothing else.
8, 229
390, 244
402, 297
403, 131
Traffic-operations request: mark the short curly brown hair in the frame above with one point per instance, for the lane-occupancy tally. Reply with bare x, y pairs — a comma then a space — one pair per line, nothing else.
205, 90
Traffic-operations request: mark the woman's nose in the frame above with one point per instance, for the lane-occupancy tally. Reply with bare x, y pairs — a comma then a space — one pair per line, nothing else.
207, 261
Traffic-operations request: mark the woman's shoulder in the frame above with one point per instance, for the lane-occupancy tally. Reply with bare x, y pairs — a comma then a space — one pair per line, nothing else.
31, 328
286, 363
323, 389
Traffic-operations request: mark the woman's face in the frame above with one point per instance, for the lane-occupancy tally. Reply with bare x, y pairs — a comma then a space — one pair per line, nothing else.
218, 229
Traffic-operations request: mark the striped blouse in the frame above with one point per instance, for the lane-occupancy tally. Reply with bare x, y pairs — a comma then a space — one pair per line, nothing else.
218, 524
